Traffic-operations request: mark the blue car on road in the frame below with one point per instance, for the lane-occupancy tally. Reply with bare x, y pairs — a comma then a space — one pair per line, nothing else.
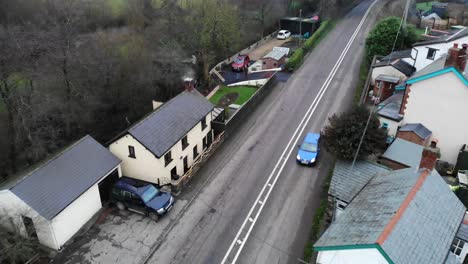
141, 197
309, 149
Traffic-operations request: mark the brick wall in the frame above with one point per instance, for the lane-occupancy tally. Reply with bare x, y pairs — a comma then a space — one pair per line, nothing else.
412, 137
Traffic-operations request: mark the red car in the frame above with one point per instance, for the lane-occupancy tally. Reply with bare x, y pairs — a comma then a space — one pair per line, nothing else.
240, 63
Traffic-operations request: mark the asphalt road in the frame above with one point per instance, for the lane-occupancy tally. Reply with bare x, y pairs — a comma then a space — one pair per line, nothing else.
224, 190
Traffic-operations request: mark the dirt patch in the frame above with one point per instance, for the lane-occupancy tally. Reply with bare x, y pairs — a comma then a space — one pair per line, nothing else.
228, 99
259, 52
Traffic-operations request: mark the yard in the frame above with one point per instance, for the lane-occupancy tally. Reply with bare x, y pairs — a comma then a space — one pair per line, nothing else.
232, 95
424, 6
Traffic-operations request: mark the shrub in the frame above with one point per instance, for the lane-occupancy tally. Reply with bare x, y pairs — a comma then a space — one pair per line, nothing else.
312, 41
296, 59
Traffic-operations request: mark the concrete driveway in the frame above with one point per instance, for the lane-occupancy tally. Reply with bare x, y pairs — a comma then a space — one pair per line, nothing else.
117, 237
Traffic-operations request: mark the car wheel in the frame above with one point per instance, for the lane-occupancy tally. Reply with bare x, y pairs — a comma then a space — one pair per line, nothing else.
120, 205
153, 216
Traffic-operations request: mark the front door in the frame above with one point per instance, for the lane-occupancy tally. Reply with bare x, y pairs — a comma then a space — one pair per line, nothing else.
185, 165
29, 225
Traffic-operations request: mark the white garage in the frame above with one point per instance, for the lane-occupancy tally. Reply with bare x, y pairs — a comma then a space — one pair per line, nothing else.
53, 201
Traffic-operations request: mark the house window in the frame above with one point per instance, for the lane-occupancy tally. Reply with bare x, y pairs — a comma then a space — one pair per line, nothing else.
431, 53
275, 64
385, 125
167, 158
203, 123
457, 246
131, 152
184, 143
174, 175
195, 152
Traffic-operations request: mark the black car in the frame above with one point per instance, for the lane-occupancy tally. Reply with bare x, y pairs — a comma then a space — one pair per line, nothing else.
141, 197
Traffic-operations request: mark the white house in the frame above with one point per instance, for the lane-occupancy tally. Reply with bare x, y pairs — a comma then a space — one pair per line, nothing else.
437, 97
398, 217
426, 52
164, 145
53, 201
389, 114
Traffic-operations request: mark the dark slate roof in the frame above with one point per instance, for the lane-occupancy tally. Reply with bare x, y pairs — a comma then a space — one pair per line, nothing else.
346, 183
404, 152
390, 108
163, 128
399, 64
436, 65
399, 54
54, 185
418, 128
422, 232
445, 38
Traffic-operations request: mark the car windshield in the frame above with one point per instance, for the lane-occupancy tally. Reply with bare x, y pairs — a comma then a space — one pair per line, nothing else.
309, 147
240, 60
149, 193
281, 33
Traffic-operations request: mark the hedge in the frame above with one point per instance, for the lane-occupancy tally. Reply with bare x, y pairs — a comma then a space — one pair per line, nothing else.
296, 59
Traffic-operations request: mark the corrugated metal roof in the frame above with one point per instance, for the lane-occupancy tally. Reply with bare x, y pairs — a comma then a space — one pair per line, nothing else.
418, 128
437, 65
57, 183
388, 78
404, 152
275, 54
422, 233
169, 123
346, 183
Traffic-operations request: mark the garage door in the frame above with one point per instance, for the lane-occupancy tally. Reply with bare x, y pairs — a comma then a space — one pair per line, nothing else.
105, 185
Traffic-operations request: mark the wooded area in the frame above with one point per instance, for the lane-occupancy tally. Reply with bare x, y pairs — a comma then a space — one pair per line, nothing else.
75, 67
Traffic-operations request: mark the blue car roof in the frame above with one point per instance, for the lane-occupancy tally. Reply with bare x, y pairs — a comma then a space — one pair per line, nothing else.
128, 184
312, 138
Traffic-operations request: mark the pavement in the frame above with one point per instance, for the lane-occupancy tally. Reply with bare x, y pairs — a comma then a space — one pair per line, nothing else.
212, 208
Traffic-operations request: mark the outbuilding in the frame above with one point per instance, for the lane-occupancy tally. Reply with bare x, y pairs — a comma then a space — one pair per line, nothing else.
53, 201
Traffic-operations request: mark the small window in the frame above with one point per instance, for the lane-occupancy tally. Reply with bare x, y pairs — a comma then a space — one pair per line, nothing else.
203, 123
275, 64
457, 246
184, 143
167, 158
431, 53
131, 152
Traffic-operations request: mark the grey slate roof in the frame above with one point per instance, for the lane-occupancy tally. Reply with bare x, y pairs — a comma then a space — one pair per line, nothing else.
451, 259
390, 108
54, 185
437, 65
399, 54
346, 183
404, 152
422, 233
163, 128
418, 128
399, 64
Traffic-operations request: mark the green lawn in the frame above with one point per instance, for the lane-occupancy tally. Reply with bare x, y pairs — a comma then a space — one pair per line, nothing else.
244, 92
425, 5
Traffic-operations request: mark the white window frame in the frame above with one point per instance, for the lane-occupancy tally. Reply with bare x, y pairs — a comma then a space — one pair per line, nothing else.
457, 244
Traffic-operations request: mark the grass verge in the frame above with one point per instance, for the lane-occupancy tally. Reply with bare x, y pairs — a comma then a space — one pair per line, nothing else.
296, 59
318, 221
363, 72
244, 92
424, 6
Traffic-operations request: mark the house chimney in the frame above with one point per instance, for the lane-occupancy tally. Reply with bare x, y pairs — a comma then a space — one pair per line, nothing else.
452, 58
429, 158
189, 84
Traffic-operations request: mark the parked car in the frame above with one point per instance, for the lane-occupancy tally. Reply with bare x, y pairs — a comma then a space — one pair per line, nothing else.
283, 34
309, 149
240, 63
141, 197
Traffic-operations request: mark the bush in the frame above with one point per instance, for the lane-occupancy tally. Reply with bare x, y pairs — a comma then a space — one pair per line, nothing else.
295, 60
313, 40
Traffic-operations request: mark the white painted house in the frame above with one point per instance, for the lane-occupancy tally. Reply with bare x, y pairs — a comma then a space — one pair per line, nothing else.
426, 52
437, 97
55, 200
164, 145
398, 217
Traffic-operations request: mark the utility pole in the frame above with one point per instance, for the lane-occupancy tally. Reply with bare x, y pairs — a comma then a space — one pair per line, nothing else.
405, 15
300, 25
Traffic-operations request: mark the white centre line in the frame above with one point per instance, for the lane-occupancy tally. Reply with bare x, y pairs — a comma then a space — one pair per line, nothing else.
284, 156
